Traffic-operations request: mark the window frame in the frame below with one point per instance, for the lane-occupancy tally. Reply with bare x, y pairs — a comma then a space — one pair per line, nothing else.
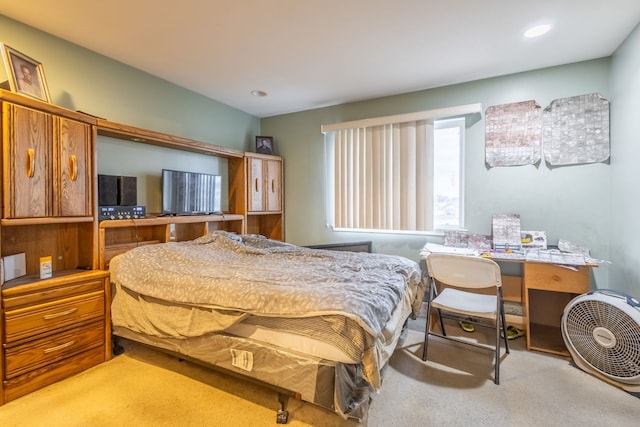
460, 116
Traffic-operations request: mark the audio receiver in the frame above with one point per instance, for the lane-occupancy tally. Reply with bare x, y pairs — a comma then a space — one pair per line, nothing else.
121, 212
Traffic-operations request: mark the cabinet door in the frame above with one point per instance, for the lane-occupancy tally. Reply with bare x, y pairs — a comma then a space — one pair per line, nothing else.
72, 168
256, 192
26, 161
273, 184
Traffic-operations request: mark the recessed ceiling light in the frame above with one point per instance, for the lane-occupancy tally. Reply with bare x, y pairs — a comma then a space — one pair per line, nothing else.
258, 93
537, 30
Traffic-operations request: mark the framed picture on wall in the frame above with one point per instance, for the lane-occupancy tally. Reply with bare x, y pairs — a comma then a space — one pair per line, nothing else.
264, 144
26, 75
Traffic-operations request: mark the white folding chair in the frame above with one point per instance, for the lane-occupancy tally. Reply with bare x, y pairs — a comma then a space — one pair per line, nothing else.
460, 278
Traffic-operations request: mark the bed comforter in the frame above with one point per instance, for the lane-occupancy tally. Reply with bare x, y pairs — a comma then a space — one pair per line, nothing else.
235, 277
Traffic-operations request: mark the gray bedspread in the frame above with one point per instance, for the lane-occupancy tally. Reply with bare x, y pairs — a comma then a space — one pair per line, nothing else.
251, 275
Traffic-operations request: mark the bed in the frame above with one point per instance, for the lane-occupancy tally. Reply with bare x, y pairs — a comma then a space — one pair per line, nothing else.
316, 324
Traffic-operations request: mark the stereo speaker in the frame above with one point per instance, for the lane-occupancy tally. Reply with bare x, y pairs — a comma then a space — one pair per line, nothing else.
107, 190
127, 191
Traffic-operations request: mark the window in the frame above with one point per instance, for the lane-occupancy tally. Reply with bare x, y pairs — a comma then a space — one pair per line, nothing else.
396, 174
448, 173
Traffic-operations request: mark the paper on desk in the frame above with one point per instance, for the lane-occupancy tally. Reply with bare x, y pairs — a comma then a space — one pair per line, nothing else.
554, 256
515, 256
434, 248
567, 246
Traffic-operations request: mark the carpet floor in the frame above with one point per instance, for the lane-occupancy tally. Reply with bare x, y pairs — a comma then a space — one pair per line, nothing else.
143, 387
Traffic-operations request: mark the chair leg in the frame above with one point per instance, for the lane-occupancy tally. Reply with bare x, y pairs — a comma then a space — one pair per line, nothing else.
496, 375
500, 325
444, 333
426, 329
504, 330
426, 334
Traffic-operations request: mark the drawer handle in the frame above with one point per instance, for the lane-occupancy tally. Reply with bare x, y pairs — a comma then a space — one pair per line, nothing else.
256, 185
62, 313
59, 347
555, 278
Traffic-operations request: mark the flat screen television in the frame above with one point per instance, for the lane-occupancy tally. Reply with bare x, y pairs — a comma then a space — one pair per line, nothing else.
190, 193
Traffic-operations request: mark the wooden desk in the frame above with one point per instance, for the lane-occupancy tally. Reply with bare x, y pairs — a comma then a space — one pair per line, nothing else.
545, 289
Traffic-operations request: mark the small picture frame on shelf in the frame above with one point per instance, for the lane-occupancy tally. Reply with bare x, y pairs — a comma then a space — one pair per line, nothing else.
26, 75
264, 144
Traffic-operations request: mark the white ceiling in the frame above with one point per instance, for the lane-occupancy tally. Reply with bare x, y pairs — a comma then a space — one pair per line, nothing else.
314, 53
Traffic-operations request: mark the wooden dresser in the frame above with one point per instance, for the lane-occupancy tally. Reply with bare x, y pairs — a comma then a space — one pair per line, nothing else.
53, 327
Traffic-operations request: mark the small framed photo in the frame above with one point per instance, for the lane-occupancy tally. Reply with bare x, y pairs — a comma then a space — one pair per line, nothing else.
264, 144
26, 75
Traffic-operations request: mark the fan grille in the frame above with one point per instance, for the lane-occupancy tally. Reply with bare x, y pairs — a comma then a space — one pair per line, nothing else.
622, 360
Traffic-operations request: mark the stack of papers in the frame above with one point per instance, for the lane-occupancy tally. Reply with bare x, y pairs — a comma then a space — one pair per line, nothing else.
433, 248
554, 256
550, 256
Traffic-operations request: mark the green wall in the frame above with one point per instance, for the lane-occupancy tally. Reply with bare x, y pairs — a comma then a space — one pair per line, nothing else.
79, 79
592, 205
571, 202
625, 196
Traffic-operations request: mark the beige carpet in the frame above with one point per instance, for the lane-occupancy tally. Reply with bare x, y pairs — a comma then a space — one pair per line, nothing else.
454, 388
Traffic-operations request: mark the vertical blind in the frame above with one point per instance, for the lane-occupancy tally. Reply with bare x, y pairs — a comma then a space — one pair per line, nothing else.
380, 171
382, 177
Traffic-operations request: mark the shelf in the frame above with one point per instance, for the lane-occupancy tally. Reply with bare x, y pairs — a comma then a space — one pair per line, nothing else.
120, 235
14, 222
144, 136
58, 276
165, 220
547, 338
269, 225
111, 251
26, 101
545, 313
512, 288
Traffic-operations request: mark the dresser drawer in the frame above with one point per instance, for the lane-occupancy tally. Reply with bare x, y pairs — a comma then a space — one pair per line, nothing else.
551, 277
35, 294
49, 374
38, 319
36, 354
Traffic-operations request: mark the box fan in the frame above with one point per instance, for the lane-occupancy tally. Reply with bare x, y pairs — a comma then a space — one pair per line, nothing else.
602, 332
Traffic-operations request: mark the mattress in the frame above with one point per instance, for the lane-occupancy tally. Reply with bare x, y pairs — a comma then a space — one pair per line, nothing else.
318, 324
315, 374
339, 306
321, 348
155, 317
307, 345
